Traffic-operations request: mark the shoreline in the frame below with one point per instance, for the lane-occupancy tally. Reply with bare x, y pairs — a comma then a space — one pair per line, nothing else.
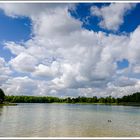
110, 104
8, 104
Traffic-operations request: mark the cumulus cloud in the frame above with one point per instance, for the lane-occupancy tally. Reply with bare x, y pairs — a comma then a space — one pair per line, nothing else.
30, 9
112, 16
24, 62
14, 48
20, 86
4, 69
64, 59
136, 69
124, 81
47, 71
134, 46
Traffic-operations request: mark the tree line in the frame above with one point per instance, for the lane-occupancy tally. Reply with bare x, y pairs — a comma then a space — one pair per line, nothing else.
46, 99
134, 98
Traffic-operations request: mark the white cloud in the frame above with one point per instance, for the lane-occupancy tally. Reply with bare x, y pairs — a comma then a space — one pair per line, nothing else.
14, 48
112, 16
24, 62
20, 85
134, 49
47, 71
30, 9
136, 69
124, 81
4, 69
119, 91
72, 61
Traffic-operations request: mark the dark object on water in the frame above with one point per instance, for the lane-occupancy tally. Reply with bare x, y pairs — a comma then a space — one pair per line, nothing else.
109, 121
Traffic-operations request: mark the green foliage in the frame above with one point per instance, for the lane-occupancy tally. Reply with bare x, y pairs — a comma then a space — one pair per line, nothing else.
46, 99
31, 99
2, 95
131, 98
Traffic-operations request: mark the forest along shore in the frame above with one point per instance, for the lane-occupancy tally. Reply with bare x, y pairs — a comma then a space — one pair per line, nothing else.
133, 99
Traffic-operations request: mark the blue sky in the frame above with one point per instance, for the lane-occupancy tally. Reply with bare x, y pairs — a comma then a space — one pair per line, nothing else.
13, 29
83, 11
95, 46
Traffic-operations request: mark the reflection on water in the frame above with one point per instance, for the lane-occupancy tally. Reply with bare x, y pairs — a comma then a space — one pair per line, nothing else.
69, 120
1, 107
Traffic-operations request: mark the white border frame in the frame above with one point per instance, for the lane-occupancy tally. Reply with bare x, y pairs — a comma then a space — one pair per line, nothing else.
69, 1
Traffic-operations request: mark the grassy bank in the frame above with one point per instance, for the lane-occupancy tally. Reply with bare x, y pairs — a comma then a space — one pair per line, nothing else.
113, 104
116, 104
129, 104
8, 104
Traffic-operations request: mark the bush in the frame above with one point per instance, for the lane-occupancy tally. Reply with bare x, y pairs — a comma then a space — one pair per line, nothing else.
2, 95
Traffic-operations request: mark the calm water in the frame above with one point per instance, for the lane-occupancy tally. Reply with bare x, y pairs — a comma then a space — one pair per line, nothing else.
69, 120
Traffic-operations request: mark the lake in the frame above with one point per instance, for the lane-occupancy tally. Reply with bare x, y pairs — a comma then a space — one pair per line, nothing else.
69, 120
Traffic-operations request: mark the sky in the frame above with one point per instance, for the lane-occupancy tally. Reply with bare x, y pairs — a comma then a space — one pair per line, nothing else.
70, 49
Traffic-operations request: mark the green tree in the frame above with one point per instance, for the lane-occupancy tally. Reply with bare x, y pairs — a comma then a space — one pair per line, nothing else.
2, 95
94, 99
68, 100
101, 100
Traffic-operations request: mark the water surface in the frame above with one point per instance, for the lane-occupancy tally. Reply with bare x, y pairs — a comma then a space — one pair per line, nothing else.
69, 120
